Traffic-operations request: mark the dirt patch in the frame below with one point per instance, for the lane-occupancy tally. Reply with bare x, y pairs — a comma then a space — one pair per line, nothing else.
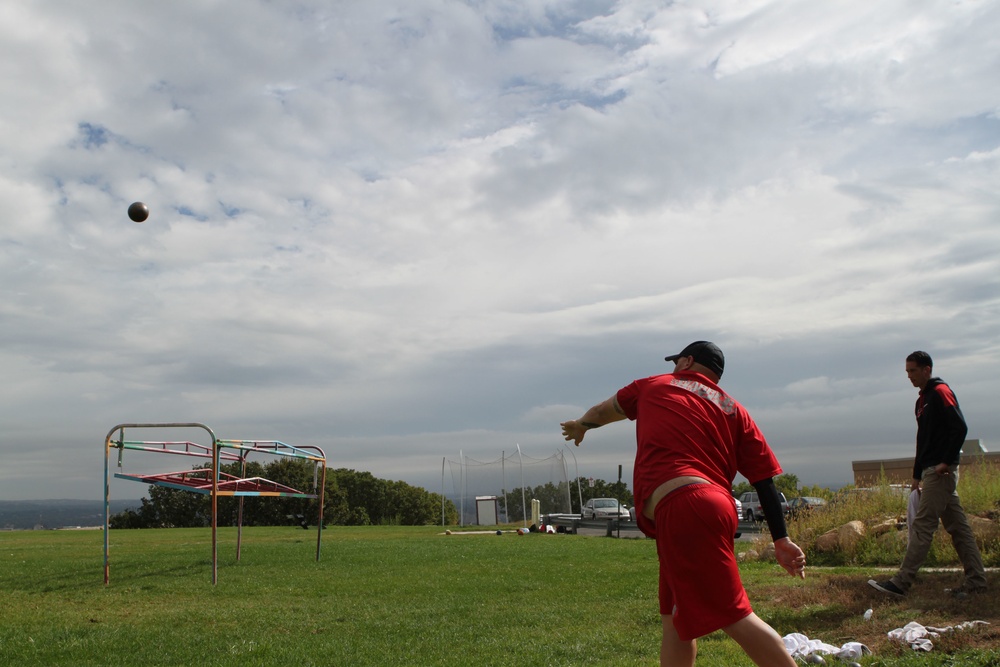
831, 608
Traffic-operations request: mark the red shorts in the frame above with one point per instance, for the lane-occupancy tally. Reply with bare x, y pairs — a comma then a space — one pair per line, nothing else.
699, 581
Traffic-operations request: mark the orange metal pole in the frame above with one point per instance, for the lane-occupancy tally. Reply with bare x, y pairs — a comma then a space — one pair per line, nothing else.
319, 525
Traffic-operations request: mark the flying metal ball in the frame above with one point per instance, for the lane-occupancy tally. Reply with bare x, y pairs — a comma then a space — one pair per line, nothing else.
138, 211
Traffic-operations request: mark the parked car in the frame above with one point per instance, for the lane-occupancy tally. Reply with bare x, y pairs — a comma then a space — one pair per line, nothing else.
804, 504
605, 508
751, 506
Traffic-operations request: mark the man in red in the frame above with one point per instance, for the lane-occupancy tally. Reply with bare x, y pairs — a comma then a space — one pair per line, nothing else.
692, 440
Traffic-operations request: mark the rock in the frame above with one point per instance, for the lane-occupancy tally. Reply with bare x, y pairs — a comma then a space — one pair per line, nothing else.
850, 534
984, 529
879, 529
828, 542
894, 538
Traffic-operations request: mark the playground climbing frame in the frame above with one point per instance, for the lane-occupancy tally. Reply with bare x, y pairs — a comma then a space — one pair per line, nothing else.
211, 481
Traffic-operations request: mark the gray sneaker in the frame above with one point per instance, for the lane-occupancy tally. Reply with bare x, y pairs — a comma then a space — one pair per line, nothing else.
887, 587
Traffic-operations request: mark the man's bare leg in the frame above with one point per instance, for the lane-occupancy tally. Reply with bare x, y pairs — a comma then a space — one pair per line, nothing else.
760, 642
674, 651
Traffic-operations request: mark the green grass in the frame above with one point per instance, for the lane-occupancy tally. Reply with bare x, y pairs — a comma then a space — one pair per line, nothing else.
392, 596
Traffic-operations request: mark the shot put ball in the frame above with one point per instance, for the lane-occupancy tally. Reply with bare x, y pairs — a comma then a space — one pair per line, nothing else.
138, 212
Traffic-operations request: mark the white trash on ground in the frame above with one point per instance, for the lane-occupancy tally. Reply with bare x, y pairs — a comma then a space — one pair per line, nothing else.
800, 646
919, 637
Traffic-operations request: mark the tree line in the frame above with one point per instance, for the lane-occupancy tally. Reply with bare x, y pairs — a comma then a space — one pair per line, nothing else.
788, 484
354, 498
351, 498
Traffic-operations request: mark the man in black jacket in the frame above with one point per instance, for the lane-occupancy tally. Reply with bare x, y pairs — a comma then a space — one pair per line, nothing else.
941, 433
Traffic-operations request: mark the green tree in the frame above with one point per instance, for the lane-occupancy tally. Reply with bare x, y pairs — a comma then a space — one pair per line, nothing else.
298, 474
173, 508
552, 498
602, 489
788, 484
817, 491
742, 487
370, 500
128, 519
449, 510
350, 498
417, 507
363, 490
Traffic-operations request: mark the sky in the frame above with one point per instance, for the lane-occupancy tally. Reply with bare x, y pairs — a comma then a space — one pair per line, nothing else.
407, 231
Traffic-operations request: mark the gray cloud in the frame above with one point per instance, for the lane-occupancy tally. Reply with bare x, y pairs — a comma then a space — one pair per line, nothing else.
402, 230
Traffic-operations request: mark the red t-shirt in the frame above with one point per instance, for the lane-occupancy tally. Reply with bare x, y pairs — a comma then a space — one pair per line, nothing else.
686, 425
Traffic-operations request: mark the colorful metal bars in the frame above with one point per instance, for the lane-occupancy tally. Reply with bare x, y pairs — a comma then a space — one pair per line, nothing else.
212, 481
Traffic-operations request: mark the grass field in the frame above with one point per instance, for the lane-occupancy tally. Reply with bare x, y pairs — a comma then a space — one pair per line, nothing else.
413, 596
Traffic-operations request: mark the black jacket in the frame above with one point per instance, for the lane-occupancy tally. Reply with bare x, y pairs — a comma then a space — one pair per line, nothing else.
941, 427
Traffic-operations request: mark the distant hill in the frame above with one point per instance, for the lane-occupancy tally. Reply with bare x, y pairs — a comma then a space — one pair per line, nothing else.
28, 514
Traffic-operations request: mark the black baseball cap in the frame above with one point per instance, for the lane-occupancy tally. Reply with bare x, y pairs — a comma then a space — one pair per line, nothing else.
705, 353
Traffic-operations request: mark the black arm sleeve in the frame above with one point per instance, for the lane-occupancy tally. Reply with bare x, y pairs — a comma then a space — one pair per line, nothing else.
770, 504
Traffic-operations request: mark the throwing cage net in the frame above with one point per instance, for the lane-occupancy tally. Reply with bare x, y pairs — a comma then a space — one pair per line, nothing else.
514, 479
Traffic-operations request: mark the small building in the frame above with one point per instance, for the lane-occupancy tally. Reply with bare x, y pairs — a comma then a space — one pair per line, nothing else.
900, 471
486, 510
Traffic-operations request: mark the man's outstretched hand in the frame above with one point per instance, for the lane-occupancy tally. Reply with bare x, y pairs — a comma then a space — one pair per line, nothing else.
790, 556
573, 430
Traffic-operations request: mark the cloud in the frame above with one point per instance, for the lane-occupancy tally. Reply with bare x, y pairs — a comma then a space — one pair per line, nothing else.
396, 229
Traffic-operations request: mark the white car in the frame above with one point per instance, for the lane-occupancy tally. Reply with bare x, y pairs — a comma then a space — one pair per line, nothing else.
605, 508
751, 510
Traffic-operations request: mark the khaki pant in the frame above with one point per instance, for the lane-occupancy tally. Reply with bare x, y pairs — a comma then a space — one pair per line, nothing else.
939, 502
